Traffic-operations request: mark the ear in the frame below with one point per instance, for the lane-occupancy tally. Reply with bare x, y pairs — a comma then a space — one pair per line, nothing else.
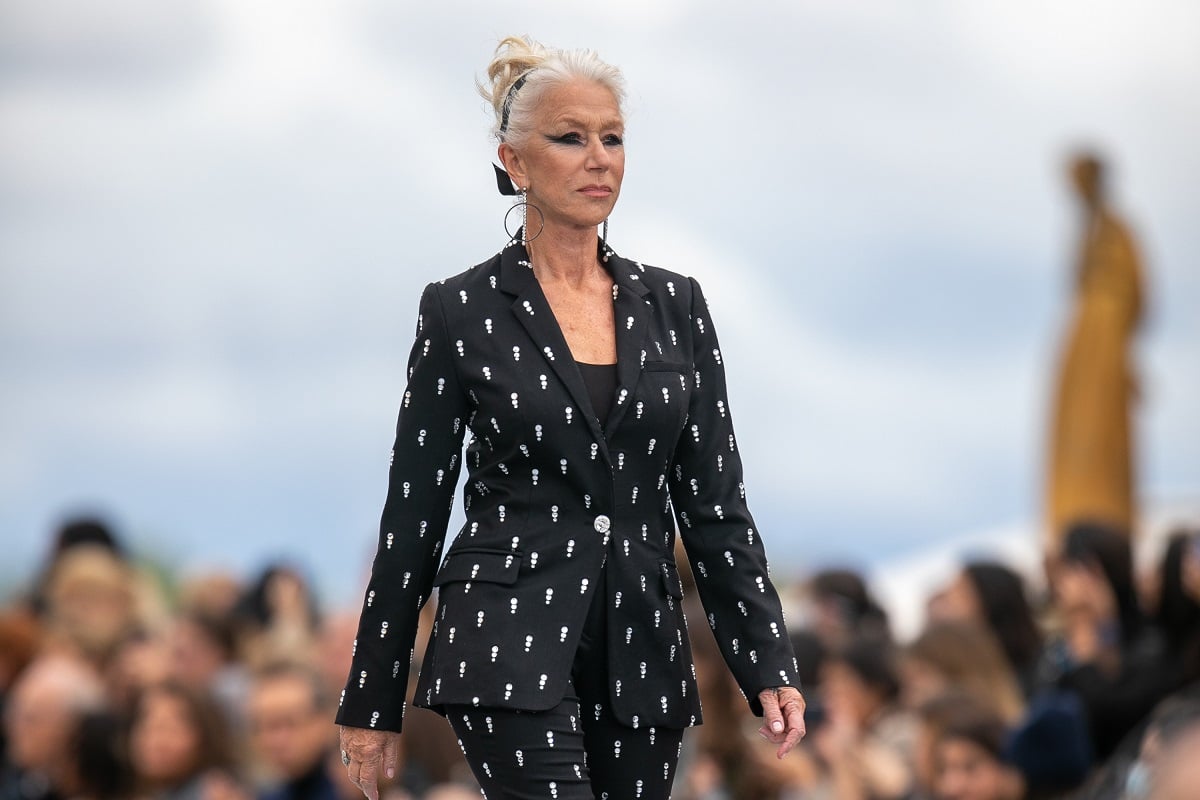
514, 164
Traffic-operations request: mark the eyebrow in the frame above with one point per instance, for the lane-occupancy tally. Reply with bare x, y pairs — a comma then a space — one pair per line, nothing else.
615, 122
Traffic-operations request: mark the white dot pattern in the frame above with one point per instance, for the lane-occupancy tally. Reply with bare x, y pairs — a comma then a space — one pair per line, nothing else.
552, 497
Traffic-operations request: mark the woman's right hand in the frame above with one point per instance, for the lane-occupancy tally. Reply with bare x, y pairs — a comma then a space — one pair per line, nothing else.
369, 755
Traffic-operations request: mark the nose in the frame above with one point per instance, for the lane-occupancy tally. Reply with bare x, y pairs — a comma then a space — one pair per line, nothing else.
598, 157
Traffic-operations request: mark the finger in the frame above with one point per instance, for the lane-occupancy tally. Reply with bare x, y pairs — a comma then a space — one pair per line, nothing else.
772, 719
793, 710
369, 781
391, 756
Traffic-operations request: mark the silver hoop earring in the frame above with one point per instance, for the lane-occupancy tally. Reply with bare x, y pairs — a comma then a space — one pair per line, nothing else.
524, 204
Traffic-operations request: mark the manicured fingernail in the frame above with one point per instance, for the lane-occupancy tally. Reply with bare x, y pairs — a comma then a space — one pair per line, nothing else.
391, 772
777, 726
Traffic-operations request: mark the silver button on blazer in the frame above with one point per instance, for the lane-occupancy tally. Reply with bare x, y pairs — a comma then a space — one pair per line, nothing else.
551, 497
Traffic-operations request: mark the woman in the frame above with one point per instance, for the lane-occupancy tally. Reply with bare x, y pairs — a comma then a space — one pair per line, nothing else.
1178, 614
867, 740
967, 755
990, 594
179, 746
1109, 655
593, 392
963, 655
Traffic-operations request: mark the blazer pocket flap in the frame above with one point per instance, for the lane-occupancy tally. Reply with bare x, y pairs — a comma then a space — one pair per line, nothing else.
489, 566
671, 582
666, 366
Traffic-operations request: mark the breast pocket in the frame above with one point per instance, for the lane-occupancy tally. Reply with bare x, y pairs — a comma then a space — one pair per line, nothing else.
663, 392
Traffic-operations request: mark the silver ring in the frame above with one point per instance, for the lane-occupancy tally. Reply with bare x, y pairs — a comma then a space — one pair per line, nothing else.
345, 758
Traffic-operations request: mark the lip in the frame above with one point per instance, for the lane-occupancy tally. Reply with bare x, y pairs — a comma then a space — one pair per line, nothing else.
595, 190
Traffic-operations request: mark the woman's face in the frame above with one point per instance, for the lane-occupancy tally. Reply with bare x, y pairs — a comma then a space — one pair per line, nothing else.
573, 160
847, 696
1082, 590
164, 742
965, 771
958, 602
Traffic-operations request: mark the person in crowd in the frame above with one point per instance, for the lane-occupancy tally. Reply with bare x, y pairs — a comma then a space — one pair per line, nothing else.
1109, 655
963, 655
211, 593
867, 739
288, 713
83, 530
142, 659
278, 617
1178, 612
99, 761
89, 603
967, 755
180, 746
1050, 746
844, 610
992, 595
41, 722
19, 636
593, 387
203, 653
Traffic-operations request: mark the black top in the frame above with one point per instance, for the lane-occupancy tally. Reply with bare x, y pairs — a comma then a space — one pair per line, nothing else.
601, 382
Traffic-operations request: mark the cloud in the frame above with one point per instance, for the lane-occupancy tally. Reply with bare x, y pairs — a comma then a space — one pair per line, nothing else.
216, 224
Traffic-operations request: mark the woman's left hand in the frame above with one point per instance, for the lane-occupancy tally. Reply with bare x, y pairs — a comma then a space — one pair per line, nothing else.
783, 717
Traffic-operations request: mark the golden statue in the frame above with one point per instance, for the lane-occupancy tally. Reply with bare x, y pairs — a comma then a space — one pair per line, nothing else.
1091, 450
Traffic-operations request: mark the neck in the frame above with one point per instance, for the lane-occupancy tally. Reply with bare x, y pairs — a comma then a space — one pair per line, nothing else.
564, 254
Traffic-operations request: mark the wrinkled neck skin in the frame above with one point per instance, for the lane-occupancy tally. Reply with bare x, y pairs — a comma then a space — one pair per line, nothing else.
565, 254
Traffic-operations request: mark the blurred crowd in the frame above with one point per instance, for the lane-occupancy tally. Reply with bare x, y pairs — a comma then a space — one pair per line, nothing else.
119, 682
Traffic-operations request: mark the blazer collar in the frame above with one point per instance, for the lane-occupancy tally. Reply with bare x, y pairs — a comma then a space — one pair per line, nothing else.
631, 315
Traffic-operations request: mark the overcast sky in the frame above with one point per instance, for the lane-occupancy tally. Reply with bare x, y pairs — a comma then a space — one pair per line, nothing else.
216, 217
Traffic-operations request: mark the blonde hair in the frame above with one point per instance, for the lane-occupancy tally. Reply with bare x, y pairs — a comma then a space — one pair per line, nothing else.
542, 68
969, 657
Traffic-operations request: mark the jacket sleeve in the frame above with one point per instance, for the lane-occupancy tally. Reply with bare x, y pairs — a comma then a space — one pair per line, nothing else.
424, 471
719, 535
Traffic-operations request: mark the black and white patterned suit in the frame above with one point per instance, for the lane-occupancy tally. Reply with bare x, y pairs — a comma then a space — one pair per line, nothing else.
551, 498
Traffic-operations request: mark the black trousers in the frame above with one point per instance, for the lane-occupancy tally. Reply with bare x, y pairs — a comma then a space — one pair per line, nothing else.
574, 751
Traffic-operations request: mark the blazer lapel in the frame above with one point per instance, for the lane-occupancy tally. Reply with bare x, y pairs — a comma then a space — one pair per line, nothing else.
534, 313
631, 313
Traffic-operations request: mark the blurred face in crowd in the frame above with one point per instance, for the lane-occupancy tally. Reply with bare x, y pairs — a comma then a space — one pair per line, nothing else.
847, 695
1081, 589
965, 771
958, 602
195, 657
90, 599
139, 662
164, 743
291, 732
335, 645
1176, 773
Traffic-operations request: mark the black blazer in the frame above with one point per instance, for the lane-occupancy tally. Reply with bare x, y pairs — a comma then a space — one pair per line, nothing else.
551, 497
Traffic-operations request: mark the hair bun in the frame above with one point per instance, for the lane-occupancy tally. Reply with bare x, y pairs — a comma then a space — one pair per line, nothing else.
515, 55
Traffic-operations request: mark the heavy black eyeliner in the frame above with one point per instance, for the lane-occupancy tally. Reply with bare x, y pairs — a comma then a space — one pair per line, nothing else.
566, 138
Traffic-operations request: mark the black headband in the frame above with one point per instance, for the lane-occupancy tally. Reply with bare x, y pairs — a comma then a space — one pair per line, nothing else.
508, 100
503, 182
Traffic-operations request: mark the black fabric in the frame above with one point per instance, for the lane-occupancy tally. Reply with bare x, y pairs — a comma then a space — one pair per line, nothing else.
575, 751
601, 383
551, 497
